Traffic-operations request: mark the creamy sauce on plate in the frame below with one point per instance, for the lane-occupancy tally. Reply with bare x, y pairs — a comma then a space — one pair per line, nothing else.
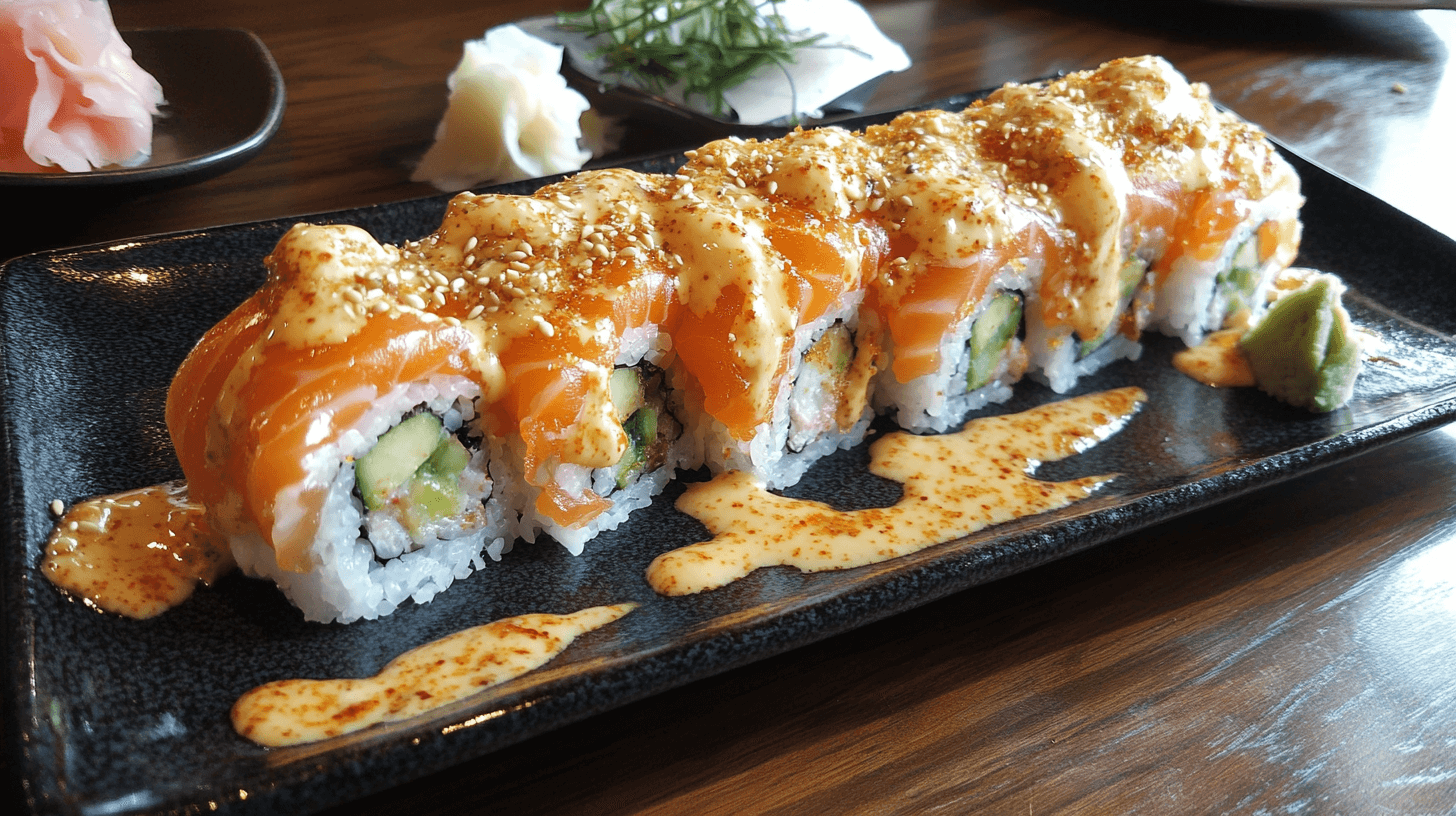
137, 553
294, 712
955, 484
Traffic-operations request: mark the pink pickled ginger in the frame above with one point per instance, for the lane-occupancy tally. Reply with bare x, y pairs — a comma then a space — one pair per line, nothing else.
70, 94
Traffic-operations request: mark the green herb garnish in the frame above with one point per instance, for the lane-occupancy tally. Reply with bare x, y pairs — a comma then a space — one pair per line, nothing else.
705, 46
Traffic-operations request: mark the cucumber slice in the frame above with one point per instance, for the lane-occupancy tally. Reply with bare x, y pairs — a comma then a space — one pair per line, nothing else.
641, 430
448, 459
990, 335
396, 456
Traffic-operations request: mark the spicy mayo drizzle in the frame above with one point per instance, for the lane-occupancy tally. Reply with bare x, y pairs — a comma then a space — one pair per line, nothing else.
955, 484
294, 712
137, 553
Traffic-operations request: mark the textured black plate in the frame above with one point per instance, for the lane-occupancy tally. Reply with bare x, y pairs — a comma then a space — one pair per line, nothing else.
224, 102
114, 716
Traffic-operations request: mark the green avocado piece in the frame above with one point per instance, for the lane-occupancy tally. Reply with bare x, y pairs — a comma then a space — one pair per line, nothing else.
448, 459
396, 456
431, 496
626, 389
990, 334
1305, 351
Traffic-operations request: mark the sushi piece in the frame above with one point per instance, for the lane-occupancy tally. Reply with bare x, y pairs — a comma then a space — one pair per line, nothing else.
574, 290
346, 473
774, 358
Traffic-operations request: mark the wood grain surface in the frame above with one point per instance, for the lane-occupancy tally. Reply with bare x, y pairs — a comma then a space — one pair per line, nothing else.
1291, 651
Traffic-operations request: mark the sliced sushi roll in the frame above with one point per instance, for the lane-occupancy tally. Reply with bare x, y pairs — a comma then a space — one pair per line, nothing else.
376, 421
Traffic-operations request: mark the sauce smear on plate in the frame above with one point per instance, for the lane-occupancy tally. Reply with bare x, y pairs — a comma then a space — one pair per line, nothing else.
955, 484
294, 712
137, 553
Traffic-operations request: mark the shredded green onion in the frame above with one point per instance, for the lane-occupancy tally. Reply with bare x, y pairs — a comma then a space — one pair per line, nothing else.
705, 47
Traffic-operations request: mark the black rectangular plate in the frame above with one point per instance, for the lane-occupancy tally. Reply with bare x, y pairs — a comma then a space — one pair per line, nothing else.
116, 716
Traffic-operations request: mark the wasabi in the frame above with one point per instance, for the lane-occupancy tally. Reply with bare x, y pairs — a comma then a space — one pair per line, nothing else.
1305, 351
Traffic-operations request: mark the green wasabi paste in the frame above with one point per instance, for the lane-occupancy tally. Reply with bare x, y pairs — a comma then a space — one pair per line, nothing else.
1305, 351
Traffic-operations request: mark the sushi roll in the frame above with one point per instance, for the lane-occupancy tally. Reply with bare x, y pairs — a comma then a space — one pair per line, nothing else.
378, 421
951, 295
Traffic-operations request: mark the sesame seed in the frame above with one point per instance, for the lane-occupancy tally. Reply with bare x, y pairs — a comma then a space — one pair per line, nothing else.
58, 507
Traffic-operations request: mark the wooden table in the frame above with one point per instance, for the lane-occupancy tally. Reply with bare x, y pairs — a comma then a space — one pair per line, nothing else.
1290, 651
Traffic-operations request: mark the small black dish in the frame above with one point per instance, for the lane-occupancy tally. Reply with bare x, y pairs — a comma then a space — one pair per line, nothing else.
224, 102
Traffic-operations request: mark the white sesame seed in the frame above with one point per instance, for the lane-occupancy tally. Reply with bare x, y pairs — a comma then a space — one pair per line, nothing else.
58, 507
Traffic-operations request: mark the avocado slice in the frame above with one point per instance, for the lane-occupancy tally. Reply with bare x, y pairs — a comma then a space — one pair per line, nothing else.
396, 456
990, 334
625, 387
